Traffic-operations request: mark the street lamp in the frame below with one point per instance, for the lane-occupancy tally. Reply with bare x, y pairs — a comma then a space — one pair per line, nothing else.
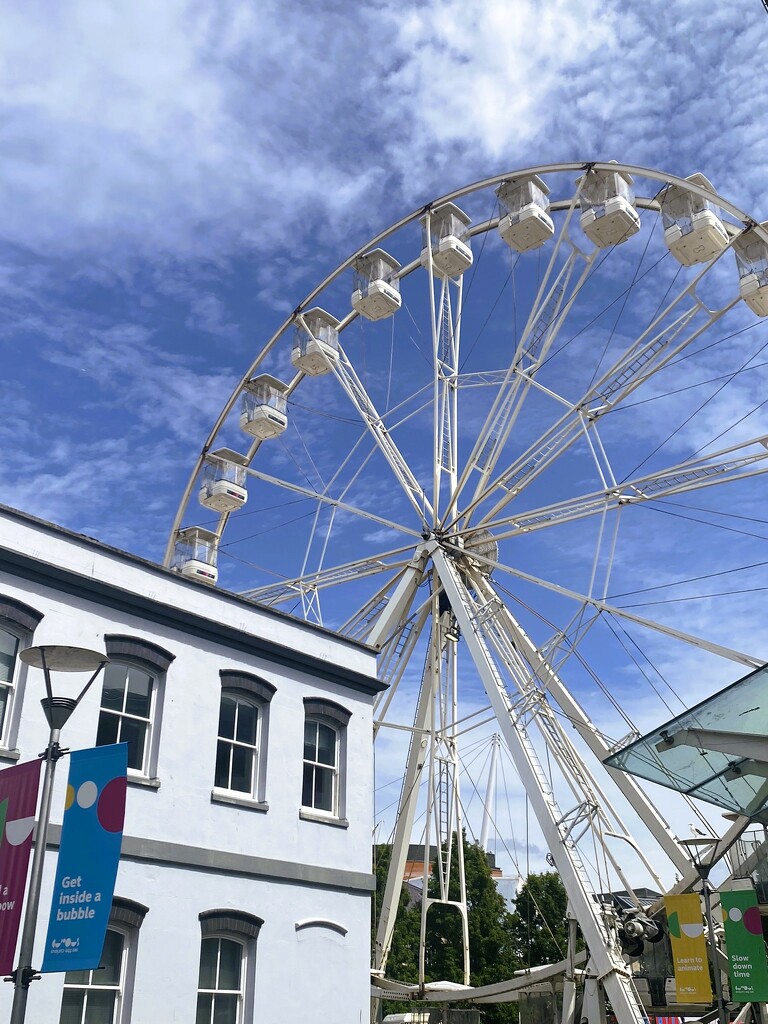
57, 711
703, 865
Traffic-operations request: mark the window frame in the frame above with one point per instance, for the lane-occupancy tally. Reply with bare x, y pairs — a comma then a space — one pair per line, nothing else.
89, 987
321, 711
257, 692
242, 929
126, 918
135, 652
19, 621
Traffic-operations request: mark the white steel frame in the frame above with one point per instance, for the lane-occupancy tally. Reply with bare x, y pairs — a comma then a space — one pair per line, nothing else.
435, 586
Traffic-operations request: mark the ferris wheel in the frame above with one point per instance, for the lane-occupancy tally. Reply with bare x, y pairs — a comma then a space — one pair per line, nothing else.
515, 442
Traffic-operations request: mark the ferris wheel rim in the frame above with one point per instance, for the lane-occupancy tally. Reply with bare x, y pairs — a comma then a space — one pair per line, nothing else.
663, 177
441, 559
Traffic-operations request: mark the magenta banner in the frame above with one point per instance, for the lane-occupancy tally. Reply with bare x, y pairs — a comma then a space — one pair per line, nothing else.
18, 803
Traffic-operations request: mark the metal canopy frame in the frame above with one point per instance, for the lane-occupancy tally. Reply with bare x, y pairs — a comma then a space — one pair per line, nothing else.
717, 751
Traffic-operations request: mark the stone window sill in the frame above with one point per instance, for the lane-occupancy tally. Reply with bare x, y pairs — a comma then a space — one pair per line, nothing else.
226, 796
307, 814
142, 780
9, 755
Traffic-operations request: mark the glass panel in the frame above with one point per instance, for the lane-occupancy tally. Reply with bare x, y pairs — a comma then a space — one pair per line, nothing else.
8, 647
242, 769
323, 789
225, 1010
307, 786
683, 754
310, 740
203, 1015
111, 959
77, 978
4, 691
71, 1007
326, 745
134, 734
227, 718
100, 1006
137, 700
221, 778
229, 965
208, 953
107, 731
247, 716
114, 687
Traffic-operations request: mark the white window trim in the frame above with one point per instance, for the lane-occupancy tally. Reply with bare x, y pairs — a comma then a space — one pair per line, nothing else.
148, 770
334, 769
155, 661
256, 792
20, 621
329, 713
117, 1017
244, 931
14, 687
259, 692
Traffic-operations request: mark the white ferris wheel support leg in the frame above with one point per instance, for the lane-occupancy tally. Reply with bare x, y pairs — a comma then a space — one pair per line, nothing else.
397, 607
443, 803
549, 679
406, 813
611, 969
595, 809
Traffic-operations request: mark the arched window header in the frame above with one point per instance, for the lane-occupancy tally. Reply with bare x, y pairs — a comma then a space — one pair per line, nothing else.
320, 922
234, 922
19, 614
319, 707
253, 686
140, 650
127, 912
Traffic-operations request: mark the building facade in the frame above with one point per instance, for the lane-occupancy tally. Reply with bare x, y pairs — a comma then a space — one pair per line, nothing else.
243, 891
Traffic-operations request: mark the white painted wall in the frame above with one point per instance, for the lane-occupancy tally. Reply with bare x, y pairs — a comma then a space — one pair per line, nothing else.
306, 976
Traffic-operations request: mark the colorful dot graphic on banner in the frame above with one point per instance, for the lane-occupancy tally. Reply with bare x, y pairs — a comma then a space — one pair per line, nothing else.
750, 917
109, 804
690, 929
16, 830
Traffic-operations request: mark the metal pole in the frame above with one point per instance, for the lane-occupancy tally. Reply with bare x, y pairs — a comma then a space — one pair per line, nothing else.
722, 1011
24, 972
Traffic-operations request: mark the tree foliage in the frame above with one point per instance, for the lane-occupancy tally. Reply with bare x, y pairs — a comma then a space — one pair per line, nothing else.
501, 942
539, 930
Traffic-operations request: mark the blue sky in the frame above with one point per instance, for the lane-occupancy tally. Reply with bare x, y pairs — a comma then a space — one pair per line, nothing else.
177, 178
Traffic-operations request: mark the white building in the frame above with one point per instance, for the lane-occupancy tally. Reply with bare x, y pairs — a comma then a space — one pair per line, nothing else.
249, 812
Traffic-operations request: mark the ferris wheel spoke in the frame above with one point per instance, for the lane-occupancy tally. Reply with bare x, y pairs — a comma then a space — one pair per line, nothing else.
656, 346
556, 295
332, 576
729, 653
737, 462
325, 499
360, 399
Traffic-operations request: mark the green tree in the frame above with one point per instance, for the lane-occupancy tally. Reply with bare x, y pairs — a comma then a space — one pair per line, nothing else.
500, 942
403, 961
491, 952
539, 930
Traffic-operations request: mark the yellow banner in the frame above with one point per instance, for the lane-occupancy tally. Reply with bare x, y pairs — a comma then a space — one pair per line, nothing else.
689, 948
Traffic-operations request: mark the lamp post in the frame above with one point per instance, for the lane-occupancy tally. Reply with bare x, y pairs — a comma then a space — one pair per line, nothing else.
57, 711
704, 865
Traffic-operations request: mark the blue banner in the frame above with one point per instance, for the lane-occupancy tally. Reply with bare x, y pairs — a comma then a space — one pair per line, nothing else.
88, 857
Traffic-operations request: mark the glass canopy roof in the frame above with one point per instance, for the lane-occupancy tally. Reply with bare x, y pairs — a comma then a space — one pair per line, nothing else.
717, 751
